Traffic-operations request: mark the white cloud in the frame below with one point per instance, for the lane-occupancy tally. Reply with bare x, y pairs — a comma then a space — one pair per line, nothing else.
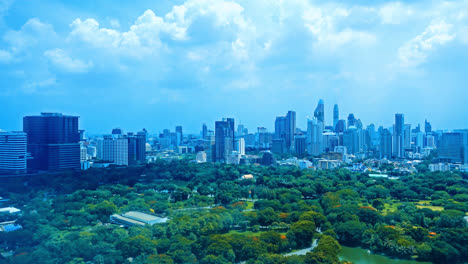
5, 56
32, 87
33, 32
395, 13
64, 62
415, 52
322, 23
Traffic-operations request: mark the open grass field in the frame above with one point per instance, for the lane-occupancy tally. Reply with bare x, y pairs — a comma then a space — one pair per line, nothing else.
433, 208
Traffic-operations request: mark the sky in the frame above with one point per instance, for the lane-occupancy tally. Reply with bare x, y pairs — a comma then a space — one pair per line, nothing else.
161, 63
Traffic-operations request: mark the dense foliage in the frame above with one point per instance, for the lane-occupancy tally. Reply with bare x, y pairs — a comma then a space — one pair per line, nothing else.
216, 217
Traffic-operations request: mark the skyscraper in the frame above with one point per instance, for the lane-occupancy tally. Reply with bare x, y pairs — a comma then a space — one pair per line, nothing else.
53, 141
315, 137
240, 146
351, 120
398, 136
300, 142
319, 112
290, 130
336, 116
351, 140
453, 147
204, 131
285, 129
13, 152
340, 126
427, 127
224, 139
385, 144
179, 135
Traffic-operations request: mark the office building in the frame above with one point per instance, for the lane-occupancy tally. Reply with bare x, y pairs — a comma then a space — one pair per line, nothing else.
53, 142
427, 127
300, 144
351, 140
224, 139
385, 144
13, 152
285, 128
398, 136
453, 147
351, 121
340, 126
240, 146
315, 137
319, 112
204, 131
336, 116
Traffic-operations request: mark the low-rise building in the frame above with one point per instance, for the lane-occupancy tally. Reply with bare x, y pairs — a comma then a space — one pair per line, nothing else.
134, 218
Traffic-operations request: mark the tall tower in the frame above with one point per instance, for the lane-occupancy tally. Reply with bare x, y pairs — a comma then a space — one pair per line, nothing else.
319, 112
398, 136
336, 116
290, 130
224, 139
204, 131
315, 137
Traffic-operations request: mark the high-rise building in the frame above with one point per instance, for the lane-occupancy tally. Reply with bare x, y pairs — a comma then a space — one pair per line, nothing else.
224, 139
385, 144
105, 148
330, 141
117, 131
319, 112
240, 147
136, 148
120, 151
407, 137
427, 127
453, 147
240, 130
315, 137
290, 130
351, 121
204, 131
285, 128
398, 136
13, 152
53, 142
340, 126
336, 116
351, 140
179, 136
300, 143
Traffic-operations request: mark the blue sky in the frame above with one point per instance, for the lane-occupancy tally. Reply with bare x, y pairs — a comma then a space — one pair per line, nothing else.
161, 63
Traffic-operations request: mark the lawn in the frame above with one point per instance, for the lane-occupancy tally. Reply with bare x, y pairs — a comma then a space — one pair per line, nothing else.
433, 208
390, 207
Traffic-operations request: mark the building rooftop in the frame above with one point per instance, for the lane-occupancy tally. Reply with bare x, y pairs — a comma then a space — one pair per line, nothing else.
137, 218
10, 210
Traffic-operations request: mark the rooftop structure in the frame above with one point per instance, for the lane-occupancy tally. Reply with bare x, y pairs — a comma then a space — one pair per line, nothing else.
134, 218
9, 210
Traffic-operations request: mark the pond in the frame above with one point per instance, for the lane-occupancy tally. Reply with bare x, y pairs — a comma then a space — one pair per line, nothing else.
362, 256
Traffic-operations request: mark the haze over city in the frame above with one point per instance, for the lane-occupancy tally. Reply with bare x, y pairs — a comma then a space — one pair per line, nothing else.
157, 64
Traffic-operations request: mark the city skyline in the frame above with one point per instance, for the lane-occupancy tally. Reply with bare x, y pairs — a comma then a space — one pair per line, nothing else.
157, 64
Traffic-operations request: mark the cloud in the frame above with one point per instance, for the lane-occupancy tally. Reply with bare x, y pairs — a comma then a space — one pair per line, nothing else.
32, 33
32, 87
416, 51
64, 62
5, 56
322, 23
395, 13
